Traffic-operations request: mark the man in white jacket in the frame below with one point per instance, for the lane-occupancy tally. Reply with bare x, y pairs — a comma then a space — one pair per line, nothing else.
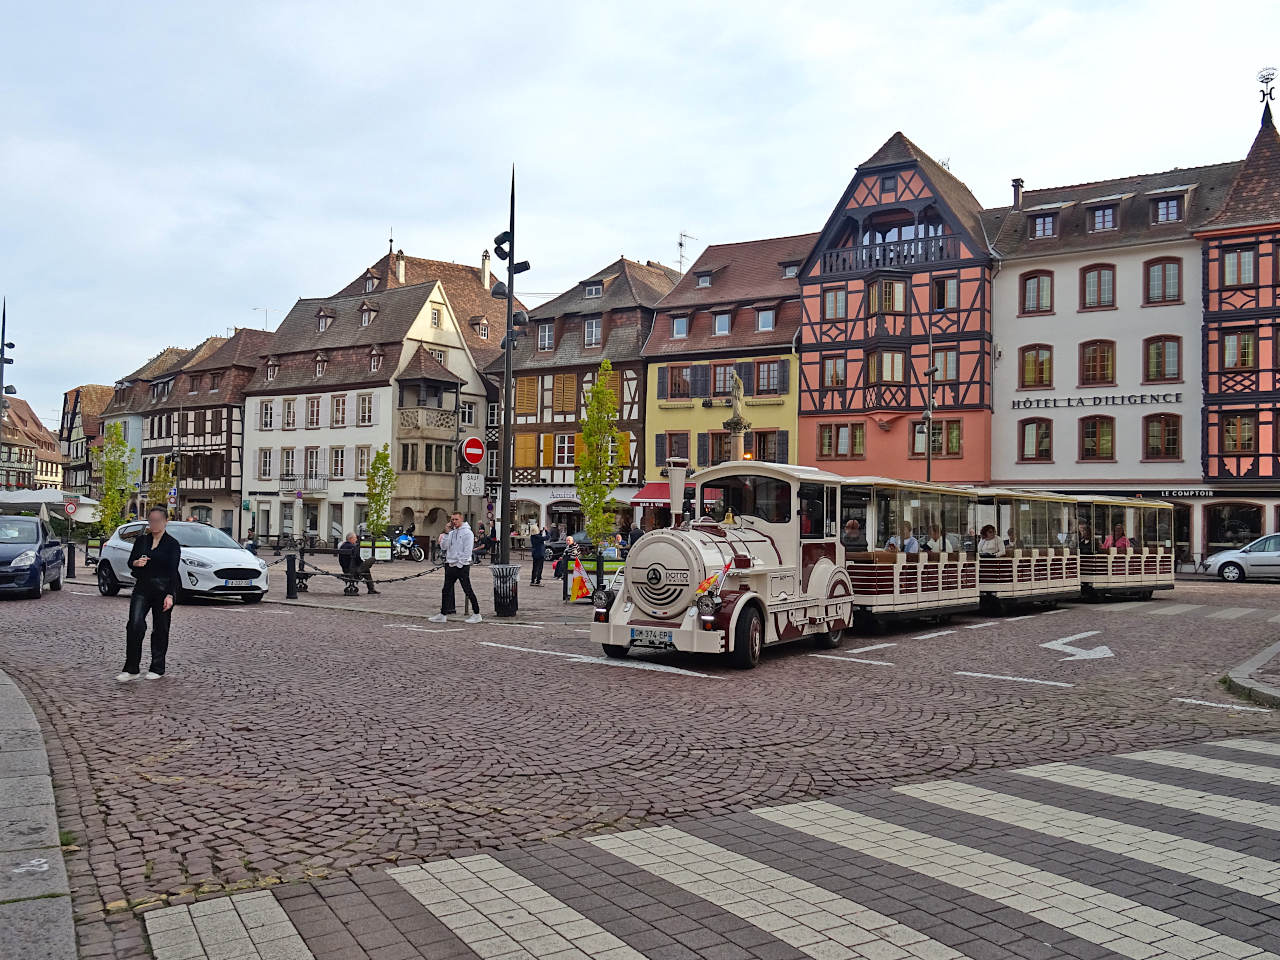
457, 544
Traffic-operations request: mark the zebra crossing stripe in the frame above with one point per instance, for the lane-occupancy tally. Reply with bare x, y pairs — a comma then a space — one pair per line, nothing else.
1117, 923
1249, 812
495, 911
1230, 613
809, 918
1227, 868
1218, 768
1122, 607
1174, 609
249, 925
1251, 746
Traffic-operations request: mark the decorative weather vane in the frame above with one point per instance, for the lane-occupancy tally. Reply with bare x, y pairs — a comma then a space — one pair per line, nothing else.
1265, 76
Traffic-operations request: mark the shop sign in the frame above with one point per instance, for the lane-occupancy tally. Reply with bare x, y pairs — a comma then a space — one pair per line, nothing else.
1102, 400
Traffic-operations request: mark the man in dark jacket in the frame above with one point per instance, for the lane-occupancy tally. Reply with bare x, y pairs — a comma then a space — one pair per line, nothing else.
633, 535
154, 562
352, 565
538, 550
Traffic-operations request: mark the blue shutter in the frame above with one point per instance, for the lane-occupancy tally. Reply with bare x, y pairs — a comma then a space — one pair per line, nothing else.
784, 380
783, 455
747, 371
701, 386
704, 449
662, 383
660, 448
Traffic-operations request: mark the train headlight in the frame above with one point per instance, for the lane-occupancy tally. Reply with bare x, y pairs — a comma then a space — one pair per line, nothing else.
707, 604
602, 600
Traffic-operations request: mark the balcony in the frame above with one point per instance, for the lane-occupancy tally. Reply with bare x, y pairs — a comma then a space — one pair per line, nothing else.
895, 255
293, 483
431, 423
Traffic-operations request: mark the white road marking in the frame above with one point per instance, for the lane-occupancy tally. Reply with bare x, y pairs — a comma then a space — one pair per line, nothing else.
875, 646
1173, 609
243, 925
1121, 607
77, 593
1025, 616
1253, 746
803, 915
1122, 925
503, 623
495, 911
1225, 706
1230, 613
996, 676
1079, 653
828, 656
603, 661
930, 636
1275, 619
1049, 613
979, 626
1239, 871
1218, 768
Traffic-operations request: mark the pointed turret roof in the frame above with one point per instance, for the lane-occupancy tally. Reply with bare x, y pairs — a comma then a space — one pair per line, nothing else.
1254, 197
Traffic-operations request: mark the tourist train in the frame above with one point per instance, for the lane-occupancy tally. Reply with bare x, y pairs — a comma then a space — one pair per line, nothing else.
769, 553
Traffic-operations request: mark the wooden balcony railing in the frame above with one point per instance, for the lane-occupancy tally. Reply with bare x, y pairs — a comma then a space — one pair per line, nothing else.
897, 254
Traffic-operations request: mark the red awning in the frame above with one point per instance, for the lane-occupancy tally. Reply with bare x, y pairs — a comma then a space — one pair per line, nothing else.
656, 493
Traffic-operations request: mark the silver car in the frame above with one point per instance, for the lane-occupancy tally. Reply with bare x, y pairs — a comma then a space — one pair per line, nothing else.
1257, 560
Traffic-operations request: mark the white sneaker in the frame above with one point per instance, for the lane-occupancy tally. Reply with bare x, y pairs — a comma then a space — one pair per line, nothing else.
438, 618
126, 677
474, 618
154, 676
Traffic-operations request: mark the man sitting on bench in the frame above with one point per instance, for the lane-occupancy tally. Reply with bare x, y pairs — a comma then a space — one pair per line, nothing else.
355, 568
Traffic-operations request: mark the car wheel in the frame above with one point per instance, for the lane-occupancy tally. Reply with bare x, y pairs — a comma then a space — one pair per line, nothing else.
108, 585
1231, 572
56, 582
252, 598
748, 639
35, 592
616, 651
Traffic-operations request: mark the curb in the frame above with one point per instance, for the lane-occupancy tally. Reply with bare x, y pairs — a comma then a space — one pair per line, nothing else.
1240, 680
35, 894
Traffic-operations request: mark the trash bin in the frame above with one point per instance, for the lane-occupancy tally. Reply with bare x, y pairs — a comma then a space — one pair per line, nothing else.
506, 583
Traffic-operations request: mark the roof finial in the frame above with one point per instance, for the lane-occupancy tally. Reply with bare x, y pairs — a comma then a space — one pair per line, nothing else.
391, 241
1265, 76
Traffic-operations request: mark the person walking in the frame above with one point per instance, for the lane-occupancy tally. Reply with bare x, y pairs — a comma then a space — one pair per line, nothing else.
633, 535
352, 565
537, 550
457, 543
154, 562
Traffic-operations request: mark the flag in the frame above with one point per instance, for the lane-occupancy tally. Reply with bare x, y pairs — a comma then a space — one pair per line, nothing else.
579, 588
711, 581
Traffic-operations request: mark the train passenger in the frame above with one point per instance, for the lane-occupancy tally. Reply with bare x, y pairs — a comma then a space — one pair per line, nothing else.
852, 537
940, 542
1117, 539
1013, 540
989, 545
1086, 539
904, 541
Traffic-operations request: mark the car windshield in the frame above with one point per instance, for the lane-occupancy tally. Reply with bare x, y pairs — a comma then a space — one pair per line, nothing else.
18, 530
196, 535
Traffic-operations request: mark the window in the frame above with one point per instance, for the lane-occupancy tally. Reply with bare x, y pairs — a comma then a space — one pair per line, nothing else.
1102, 218
766, 445
722, 379
1163, 359
546, 336
720, 324
1035, 366
1240, 433
495, 415
435, 316
945, 438
313, 412
1238, 351
767, 377
721, 448
408, 456
338, 412
362, 462
468, 412
885, 366
272, 370
290, 416
264, 464
678, 445
375, 362
439, 355
593, 290
842, 440
337, 462
1044, 225
1097, 436
790, 270
591, 332
679, 328
1237, 267
1036, 440
1097, 363
946, 293
369, 284
946, 362
313, 462
196, 382
366, 317
321, 364
888, 296
704, 279
1162, 437
492, 464
266, 415
764, 320
1163, 282
364, 409
678, 380
483, 330
1168, 210
1098, 287
564, 450
322, 322
564, 394
889, 183
833, 370
835, 304
1037, 293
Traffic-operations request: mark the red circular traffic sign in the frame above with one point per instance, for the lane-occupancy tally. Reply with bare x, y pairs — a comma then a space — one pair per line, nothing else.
69, 507
473, 450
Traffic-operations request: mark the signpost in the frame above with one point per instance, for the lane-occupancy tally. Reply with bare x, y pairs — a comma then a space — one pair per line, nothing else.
473, 451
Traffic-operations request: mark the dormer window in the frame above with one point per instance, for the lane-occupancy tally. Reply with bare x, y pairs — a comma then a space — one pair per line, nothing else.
790, 271
321, 364
546, 336
1102, 218
764, 320
591, 332
1043, 225
483, 330
196, 383
375, 362
366, 316
215, 381
679, 328
273, 367
704, 279
720, 324
369, 283
1166, 210
593, 290
322, 321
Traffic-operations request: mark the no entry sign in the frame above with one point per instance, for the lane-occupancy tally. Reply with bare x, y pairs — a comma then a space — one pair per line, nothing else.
473, 450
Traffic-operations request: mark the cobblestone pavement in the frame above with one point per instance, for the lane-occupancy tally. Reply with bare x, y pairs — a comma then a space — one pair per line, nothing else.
297, 744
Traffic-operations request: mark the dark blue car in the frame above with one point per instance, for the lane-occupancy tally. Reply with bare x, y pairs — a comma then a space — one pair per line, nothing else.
30, 557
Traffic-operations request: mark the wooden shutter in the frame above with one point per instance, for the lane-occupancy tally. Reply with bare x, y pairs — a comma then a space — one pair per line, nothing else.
624, 448
548, 450
662, 384
704, 450
660, 447
747, 371
526, 450
615, 383
783, 456
784, 384
527, 395
700, 380
578, 446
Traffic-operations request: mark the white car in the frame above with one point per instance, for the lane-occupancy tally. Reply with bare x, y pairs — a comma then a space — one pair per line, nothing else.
212, 563
1255, 560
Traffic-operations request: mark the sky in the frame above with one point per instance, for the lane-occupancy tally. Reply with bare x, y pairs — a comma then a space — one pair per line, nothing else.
167, 169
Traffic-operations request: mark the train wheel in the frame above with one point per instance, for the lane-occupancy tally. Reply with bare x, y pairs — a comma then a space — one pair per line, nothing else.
829, 640
1146, 594
748, 639
615, 651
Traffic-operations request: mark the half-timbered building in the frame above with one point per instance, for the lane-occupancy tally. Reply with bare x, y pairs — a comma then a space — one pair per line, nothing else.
897, 303
80, 427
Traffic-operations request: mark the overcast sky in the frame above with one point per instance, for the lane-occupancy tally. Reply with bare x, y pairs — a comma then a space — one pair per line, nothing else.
165, 169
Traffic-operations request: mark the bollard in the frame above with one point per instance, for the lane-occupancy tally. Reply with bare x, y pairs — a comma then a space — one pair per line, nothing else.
564, 576
70, 572
291, 577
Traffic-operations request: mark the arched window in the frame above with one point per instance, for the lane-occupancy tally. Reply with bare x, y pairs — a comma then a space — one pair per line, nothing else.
1162, 437
1097, 363
1035, 440
1037, 292
1162, 359
1098, 287
1162, 281
1035, 366
1097, 438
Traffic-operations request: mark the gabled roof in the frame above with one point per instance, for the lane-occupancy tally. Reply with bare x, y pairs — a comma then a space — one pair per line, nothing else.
23, 427
396, 310
1254, 196
244, 349
422, 365
749, 270
626, 285
94, 398
167, 360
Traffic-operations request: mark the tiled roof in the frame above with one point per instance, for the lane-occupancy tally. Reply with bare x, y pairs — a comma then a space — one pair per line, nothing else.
94, 398
623, 338
625, 284
244, 349
170, 361
167, 359
345, 367
23, 427
745, 271
744, 338
395, 311
422, 365
1254, 197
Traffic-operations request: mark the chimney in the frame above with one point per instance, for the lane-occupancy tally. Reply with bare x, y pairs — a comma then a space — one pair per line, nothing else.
1017, 193
400, 266
484, 269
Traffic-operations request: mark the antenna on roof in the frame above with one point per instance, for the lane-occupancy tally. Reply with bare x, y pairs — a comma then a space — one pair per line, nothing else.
266, 313
680, 247
391, 241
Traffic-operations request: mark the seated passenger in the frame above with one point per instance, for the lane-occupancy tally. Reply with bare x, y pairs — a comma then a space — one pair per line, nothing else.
989, 545
852, 537
1086, 539
940, 542
904, 541
1012, 539
1117, 539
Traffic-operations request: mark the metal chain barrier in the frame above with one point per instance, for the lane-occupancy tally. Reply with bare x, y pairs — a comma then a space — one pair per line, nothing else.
345, 578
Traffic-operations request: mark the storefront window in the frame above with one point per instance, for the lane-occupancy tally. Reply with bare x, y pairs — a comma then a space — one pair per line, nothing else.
1232, 525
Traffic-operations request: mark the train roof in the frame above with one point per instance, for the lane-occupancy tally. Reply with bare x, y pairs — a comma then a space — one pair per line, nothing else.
1012, 493
737, 467
909, 484
1121, 501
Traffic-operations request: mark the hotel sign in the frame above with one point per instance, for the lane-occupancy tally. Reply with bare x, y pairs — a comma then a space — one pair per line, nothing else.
1107, 400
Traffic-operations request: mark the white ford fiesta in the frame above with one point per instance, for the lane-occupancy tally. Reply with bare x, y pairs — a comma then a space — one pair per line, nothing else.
212, 563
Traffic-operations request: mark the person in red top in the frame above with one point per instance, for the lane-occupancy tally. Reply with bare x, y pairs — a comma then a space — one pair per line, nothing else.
1117, 539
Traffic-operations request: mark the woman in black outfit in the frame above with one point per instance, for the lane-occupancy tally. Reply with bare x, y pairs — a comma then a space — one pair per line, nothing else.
154, 561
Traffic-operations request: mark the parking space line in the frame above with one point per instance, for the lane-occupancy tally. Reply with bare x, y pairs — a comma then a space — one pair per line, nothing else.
1230, 613
930, 636
1210, 703
877, 663
979, 626
996, 676
874, 646
1025, 616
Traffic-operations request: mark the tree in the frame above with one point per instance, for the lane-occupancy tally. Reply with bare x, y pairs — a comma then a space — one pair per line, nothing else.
380, 487
599, 470
164, 480
112, 463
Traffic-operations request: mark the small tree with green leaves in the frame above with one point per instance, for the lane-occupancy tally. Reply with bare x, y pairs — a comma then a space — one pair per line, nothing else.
599, 469
112, 462
164, 480
380, 487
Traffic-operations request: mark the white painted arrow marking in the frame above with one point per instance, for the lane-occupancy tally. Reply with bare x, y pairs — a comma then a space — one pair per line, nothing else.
874, 646
1077, 653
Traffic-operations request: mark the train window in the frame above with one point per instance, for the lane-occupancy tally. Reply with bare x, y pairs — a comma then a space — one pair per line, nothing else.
853, 517
812, 511
747, 496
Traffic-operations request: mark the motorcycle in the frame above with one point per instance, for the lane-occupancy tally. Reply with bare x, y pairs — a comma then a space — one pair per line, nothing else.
404, 546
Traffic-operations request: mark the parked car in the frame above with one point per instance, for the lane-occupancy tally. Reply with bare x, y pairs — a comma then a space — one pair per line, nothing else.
212, 564
30, 557
1257, 560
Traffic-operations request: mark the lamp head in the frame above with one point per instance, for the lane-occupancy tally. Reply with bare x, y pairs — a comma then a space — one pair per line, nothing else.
499, 291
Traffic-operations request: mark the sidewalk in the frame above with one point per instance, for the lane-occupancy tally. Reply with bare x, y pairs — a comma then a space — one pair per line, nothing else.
35, 896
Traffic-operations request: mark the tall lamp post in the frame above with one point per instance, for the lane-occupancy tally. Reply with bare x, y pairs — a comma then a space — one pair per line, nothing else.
5, 346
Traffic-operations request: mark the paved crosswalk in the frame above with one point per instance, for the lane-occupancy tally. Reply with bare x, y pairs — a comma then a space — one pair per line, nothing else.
1167, 608
1169, 853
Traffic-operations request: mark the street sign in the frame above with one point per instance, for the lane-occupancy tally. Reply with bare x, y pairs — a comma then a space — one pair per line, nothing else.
472, 485
473, 450
69, 506
173, 501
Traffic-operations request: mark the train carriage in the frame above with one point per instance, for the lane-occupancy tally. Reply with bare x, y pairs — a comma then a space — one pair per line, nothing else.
1126, 546
1039, 561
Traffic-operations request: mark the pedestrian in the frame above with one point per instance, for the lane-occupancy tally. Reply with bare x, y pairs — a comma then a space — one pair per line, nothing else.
154, 561
633, 535
457, 543
352, 565
538, 550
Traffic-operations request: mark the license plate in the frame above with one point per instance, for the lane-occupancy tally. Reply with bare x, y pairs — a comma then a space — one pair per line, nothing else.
237, 583
648, 637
